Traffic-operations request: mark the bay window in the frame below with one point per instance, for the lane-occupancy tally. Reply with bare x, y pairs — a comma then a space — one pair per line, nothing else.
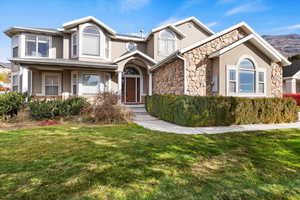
37, 46
15, 46
91, 41
75, 44
15, 83
167, 43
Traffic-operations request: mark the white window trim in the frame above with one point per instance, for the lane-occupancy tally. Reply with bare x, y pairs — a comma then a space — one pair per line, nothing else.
72, 52
17, 45
102, 42
102, 83
159, 39
257, 70
18, 79
59, 83
231, 67
23, 52
77, 82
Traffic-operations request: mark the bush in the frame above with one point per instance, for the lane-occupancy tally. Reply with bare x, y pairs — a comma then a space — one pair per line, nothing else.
221, 111
106, 110
294, 96
10, 104
51, 109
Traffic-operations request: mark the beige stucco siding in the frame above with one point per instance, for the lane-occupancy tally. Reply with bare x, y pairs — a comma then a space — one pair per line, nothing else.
119, 48
193, 34
233, 56
57, 47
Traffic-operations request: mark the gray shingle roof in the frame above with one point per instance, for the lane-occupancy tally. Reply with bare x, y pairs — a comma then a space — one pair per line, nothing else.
292, 69
5, 65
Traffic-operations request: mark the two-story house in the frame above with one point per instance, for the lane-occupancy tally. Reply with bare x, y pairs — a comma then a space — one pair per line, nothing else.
86, 57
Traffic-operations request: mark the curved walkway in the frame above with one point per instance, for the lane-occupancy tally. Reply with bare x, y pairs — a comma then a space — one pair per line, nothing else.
142, 118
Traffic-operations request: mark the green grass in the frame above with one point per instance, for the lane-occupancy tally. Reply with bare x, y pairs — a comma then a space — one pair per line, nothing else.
129, 162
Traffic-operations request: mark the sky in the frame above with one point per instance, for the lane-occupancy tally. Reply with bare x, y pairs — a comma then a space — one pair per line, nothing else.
129, 16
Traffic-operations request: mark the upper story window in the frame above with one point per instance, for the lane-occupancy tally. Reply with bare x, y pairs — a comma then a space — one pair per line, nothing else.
167, 42
37, 46
75, 44
91, 41
15, 46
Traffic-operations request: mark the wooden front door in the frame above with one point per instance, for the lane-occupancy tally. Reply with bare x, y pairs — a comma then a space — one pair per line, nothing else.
131, 90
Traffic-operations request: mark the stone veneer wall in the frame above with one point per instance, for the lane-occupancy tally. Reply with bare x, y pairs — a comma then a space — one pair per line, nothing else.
199, 70
277, 80
168, 79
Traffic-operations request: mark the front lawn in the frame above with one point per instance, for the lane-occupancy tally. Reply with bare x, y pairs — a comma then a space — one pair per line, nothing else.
129, 162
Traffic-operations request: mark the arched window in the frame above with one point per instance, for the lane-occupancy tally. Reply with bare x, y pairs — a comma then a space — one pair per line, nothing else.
247, 77
167, 41
131, 71
91, 41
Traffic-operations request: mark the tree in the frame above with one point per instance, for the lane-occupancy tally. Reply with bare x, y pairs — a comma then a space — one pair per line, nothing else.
294, 58
4, 78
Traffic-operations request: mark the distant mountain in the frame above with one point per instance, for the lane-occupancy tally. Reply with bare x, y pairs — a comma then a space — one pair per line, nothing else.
288, 45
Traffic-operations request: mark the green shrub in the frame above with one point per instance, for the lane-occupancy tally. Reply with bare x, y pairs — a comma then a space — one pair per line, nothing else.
45, 109
221, 111
10, 104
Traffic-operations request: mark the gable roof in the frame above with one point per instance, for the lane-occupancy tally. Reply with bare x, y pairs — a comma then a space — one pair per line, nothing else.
197, 22
136, 52
76, 22
255, 41
173, 26
291, 70
249, 31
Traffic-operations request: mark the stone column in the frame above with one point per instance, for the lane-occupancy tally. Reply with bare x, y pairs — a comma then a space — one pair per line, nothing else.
291, 86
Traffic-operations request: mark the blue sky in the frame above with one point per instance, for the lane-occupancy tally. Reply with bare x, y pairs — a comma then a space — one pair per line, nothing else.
129, 16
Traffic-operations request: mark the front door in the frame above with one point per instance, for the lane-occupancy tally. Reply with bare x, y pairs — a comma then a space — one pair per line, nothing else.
131, 91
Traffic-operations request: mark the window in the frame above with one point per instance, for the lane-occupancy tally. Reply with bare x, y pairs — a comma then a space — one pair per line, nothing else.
261, 82
74, 84
167, 42
15, 46
246, 76
107, 47
52, 82
74, 44
15, 81
90, 83
232, 81
91, 41
37, 46
131, 71
131, 46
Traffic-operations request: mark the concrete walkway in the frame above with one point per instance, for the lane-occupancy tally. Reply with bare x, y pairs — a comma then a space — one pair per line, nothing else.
142, 118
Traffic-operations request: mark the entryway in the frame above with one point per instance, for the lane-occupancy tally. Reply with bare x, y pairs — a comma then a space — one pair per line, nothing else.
131, 85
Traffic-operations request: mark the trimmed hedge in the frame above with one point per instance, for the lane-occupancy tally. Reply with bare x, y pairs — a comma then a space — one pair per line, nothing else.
10, 104
221, 111
51, 109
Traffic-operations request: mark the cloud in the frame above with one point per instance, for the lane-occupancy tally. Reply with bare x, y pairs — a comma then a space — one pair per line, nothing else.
289, 28
254, 6
130, 5
170, 20
212, 24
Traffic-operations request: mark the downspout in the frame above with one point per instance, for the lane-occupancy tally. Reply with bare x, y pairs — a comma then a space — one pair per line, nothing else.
184, 74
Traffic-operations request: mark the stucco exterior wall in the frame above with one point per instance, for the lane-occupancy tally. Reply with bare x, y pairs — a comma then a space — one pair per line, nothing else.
193, 34
233, 56
169, 79
119, 48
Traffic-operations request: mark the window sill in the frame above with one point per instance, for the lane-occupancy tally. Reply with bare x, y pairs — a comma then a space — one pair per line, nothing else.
247, 95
